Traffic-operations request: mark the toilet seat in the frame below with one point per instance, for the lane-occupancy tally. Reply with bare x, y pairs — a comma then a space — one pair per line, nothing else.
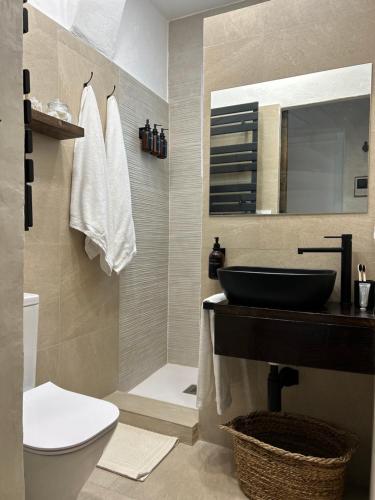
56, 421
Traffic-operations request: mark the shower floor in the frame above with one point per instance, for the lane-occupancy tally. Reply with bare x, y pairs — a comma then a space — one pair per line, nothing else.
168, 384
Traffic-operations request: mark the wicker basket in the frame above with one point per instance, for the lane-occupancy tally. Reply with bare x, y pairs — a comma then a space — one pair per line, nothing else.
281, 456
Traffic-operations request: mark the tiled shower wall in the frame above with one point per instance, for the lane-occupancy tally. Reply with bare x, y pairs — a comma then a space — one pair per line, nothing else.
144, 283
185, 82
185, 226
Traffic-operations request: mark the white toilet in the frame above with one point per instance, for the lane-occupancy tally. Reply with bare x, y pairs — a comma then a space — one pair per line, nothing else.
65, 433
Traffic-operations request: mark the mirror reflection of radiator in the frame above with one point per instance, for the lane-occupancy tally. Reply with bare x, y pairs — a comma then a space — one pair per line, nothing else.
233, 159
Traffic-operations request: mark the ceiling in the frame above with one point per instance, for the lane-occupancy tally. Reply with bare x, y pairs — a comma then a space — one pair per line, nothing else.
174, 9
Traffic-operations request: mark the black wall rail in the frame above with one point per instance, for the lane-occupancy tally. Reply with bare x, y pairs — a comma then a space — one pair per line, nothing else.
27, 118
234, 159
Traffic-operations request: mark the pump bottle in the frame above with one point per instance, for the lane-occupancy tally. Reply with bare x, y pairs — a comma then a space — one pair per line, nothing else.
146, 137
163, 145
155, 143
216, 260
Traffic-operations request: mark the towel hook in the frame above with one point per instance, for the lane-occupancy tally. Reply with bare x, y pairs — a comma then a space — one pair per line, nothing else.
113, 91
85, 84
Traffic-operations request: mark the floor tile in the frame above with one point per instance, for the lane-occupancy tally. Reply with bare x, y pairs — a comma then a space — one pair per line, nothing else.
204, 471
92, 491
201, 472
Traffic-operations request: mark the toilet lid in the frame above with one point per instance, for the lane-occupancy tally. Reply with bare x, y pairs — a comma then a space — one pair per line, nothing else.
55, 419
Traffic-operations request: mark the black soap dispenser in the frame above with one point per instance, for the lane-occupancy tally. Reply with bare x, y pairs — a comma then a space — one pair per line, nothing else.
216, 259
163, 145
146, 137
155, 142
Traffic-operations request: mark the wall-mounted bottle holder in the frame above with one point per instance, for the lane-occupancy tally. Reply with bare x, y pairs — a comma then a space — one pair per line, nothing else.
154, 142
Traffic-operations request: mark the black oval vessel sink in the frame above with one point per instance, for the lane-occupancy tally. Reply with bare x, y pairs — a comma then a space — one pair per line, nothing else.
277, 288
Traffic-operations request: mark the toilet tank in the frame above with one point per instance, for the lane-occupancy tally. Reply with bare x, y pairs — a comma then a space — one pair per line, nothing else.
30, 338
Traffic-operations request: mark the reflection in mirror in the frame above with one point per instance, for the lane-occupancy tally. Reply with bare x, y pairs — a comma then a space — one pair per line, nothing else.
298, 145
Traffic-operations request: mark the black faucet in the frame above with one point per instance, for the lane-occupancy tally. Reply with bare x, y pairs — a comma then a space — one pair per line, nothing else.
346, 264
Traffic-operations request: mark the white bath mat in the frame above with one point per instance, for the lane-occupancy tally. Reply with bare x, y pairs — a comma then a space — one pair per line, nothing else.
134, 452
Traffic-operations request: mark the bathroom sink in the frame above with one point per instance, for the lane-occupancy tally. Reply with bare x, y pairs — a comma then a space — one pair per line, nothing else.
277, 288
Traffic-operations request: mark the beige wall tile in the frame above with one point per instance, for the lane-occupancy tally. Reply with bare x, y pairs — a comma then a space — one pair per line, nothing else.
42, 40
88, 363
76, 61
48, 365
11, 251
89, 298
78, 302
47, 191
259, 44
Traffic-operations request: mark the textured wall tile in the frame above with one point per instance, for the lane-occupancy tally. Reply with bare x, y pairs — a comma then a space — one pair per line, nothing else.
185, 88
144, 283
185, 218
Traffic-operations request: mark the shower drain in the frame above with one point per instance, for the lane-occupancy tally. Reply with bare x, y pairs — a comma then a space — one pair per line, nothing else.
192, 389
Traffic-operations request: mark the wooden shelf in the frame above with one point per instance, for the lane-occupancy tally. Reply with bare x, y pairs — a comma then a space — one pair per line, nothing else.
53, 127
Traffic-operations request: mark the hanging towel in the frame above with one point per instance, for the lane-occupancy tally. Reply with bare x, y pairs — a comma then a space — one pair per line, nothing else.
89, 196
213, 377
122, 245
98, 23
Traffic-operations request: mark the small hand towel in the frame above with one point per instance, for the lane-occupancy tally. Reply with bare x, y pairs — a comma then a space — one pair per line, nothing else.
89, 196
122, 244
98, 22
213, 378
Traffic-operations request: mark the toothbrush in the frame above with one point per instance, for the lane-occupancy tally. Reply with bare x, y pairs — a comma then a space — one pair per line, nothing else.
364, 273
359, 267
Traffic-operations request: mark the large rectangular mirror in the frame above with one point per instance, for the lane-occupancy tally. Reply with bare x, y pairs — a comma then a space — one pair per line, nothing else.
293, 146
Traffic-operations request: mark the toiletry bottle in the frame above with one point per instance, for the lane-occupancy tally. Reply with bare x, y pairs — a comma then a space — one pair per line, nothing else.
216, 260
155, 147
163, 145
146, 137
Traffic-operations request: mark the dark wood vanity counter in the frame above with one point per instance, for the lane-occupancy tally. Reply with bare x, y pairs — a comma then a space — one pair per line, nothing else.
333, 338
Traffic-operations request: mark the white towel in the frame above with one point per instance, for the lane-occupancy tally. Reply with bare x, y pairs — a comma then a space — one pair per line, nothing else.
122, 245
213, 377
89, 196
98, 23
